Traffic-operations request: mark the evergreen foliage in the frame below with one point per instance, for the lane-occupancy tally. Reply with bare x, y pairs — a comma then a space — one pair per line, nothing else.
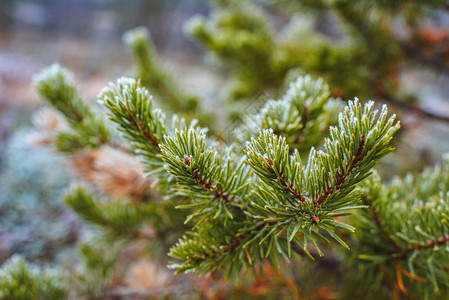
289, 197
87, 129
303, 115
405, 230
129, 106
153, 75
156, 78
296, 184
239, 35
22, 281
370, 44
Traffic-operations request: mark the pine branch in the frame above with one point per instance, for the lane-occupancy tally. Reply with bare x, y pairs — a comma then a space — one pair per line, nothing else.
341, 178
97, 269
20, 280
292, 202
248, 208
406, 225
283, 202
303, 115
56, 85
239, 36
379, 225
288, 186
88, 129
117, 219
203, 176
441, 241
158, 80
130, 106
310, 193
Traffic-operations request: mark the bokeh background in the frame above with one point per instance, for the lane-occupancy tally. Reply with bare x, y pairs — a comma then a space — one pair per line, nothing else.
86, 37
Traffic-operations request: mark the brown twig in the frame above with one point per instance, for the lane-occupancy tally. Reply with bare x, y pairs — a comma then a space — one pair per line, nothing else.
140, 126
381, 228
430, 244
148, 135
341, 178
216, 190
288, 186
397, 249
413, 108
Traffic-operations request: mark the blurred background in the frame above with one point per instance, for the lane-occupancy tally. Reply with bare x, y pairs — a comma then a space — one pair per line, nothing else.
85, 36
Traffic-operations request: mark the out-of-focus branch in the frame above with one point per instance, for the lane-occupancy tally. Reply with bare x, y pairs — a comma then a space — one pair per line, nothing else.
426, 60
413, 108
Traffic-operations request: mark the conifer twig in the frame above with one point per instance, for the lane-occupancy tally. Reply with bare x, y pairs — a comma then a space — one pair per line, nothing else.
379, 225
429, 245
